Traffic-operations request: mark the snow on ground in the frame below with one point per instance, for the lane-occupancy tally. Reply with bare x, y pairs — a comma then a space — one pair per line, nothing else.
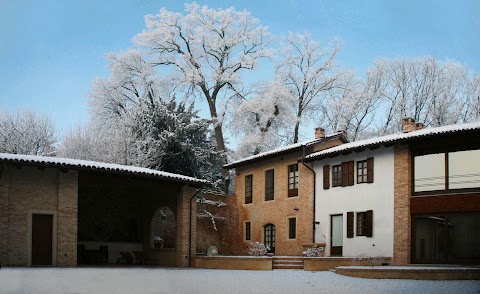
162, 280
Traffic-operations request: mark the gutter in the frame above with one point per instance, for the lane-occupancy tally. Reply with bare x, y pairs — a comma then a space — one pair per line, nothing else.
314, 191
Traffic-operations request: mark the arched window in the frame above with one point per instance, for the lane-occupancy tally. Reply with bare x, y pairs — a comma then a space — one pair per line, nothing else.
163, 229
269, 235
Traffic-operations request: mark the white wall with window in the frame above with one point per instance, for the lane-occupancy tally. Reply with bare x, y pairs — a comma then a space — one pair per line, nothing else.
365, 200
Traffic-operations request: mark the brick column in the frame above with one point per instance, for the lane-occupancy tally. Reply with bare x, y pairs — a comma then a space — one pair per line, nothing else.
185, 223
4, 188
402, 192
67, 218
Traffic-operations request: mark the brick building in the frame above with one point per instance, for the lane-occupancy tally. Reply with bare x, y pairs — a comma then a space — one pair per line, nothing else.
414, 197
275, 196
61, 212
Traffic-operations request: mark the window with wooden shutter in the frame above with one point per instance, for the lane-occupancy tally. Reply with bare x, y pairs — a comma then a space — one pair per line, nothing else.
361, 171
349, 224
361, 223
351, 168
336, 175
344, 174
370, 170
369, 224
326, 177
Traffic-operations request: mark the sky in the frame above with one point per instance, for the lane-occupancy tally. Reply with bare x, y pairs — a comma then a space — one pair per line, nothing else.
52, 50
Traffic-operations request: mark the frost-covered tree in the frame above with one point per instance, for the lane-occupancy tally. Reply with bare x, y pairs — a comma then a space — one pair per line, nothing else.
263, 121
206, 49
307, 69
25, 132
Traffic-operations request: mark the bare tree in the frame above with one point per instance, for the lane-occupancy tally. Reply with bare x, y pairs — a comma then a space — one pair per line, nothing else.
25, 132
207, 49
307, 69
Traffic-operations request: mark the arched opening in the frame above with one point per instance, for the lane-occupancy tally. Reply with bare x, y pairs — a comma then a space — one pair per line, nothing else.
163, 228
269, 236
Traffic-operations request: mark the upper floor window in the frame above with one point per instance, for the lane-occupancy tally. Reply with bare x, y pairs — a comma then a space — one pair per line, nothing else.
361, 171
447, 172
292, 180
248, 189
336, 175
269, 185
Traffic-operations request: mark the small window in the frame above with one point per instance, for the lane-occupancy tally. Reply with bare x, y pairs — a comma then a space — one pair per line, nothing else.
361, 171
247, 231
248, 189
293, 180
361, 223
269, 185
336, 175
292, 228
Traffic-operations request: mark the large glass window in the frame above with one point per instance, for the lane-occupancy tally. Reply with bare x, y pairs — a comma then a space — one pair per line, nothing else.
447, 172
464, 169
447, 238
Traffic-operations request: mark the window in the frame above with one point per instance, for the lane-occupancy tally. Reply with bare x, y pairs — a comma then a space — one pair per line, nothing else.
163, 228
269, 185
361, 171
269, 234
248, 188
247, 230
293, 180
364, 224
326, 177
336, 175
292, 228
361, 223
447, 171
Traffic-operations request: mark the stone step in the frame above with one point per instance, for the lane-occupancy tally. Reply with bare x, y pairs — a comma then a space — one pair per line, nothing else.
284, 261
287, 266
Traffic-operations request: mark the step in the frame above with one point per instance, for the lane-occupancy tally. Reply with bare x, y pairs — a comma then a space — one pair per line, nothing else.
283, 261
287, 266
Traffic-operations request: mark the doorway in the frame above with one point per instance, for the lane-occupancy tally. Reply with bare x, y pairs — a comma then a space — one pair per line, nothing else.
42, 239
270, 237
336, 240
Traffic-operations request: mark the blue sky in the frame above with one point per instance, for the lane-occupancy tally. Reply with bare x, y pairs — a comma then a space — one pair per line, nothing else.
52, 50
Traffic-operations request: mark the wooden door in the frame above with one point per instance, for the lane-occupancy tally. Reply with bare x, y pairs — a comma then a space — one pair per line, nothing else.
336, 239
42, 233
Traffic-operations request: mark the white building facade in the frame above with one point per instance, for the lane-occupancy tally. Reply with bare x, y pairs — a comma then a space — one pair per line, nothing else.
354, 203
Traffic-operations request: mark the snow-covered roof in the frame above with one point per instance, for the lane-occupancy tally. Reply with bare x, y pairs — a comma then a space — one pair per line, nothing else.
93, 165
394, 138
281, 150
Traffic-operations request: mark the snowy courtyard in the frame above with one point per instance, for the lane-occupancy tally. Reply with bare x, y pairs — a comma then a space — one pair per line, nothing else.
162, 280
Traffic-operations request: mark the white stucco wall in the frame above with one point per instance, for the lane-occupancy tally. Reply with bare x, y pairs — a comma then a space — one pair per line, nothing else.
376, 196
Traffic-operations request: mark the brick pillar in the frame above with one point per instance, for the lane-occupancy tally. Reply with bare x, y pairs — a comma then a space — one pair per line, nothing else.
402, 192
4, 188
67, 218
185, 223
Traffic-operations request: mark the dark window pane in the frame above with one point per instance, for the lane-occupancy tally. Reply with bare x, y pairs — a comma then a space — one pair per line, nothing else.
463, 236
269, 185
247, 230
292, 228
248, 189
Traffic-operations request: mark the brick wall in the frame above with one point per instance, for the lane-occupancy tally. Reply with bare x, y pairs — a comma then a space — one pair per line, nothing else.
4, 187
185, 222
276, 211
28, 190
402, 219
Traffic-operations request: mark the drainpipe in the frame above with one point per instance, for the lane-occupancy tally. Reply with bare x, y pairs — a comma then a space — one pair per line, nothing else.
314, 192
190, 229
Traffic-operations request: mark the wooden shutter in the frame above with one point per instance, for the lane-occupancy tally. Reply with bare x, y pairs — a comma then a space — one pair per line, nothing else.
351, 179
349, 224
326, 177
369, 228
344, 174
370, 170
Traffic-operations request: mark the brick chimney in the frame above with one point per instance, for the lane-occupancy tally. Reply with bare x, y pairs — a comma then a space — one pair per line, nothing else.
343, 132
419, 126
408, 125
319, 133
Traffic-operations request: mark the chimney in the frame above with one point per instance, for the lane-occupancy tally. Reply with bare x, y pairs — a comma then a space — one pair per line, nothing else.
319, 133
408, 125
343, 132
419, 126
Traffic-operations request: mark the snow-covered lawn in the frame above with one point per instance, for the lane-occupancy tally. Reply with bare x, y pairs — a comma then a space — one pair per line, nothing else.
161, 280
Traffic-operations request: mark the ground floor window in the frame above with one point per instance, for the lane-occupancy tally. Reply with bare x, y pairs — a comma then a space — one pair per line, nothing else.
446, 238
